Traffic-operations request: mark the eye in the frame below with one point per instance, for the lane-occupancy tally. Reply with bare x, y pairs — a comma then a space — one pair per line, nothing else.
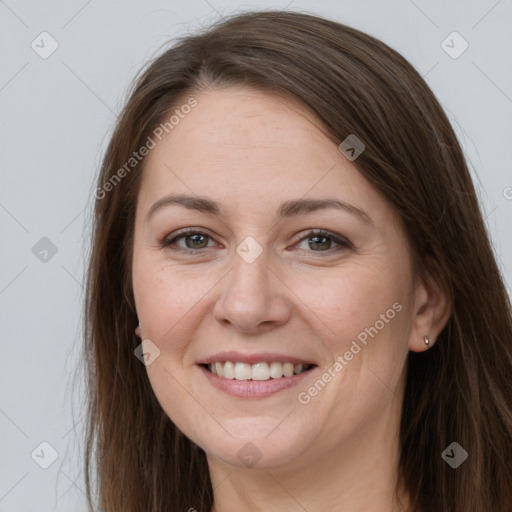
195, 241
323, 240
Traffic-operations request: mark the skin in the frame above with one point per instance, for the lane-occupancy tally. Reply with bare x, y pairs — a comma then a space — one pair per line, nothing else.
251, 151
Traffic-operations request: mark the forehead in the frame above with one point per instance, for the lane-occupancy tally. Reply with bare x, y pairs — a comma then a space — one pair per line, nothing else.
243, 145
235, 121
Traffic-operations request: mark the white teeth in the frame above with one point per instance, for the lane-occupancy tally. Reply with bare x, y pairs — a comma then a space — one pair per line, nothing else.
276, 370
258, 371
228, 370
243, 371
287, 369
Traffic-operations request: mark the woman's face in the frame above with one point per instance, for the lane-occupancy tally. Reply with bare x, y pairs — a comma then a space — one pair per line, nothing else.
252, 287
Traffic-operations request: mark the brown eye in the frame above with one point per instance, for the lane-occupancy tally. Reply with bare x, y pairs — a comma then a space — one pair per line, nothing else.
194, 241
322, 241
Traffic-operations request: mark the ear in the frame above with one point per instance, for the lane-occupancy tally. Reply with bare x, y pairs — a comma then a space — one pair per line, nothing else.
138, 331
432, 309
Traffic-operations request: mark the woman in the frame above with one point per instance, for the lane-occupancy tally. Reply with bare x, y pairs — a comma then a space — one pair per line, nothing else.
292, 300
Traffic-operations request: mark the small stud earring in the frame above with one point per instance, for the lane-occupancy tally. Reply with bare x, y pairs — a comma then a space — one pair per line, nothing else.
427, 341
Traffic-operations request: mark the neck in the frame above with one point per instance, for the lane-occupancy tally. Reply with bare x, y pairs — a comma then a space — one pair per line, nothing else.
358, 474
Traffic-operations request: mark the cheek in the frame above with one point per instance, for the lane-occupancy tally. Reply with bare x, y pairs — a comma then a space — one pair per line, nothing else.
347, 300
168, 299
371, 320
170, 386
362, 312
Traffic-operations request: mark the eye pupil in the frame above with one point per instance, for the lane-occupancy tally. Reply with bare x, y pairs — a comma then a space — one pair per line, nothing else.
323, 238
195, 237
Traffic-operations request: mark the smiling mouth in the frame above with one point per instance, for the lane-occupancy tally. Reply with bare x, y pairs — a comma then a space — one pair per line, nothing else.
256, 372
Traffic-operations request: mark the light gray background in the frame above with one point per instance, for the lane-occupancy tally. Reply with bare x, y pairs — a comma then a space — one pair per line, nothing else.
56, 116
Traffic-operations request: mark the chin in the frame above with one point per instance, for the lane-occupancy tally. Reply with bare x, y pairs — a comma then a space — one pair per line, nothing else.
267, 447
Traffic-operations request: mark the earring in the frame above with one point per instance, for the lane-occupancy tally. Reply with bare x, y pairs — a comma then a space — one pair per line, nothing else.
427, 341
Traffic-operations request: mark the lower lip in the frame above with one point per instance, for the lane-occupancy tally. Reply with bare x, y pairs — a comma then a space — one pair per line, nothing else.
253, 388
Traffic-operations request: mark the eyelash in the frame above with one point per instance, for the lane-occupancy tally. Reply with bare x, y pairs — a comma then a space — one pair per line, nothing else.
167, 242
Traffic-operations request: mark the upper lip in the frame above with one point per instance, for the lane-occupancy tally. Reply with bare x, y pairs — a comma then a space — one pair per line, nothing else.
265, 357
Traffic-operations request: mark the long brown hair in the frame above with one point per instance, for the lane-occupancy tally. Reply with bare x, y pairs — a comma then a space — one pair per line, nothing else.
458, 391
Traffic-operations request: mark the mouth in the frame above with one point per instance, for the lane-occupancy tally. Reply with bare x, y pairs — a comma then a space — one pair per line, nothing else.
254, 376
261, 371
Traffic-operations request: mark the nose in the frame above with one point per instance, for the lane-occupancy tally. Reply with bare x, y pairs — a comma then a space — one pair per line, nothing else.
253, 298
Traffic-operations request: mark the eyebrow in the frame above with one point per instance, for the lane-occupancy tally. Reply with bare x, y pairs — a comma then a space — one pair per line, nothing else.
287, 209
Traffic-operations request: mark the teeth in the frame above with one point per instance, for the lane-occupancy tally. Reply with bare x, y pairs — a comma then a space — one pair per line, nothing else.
276, 370
242, 371
287, 369
258, 371
228, 372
